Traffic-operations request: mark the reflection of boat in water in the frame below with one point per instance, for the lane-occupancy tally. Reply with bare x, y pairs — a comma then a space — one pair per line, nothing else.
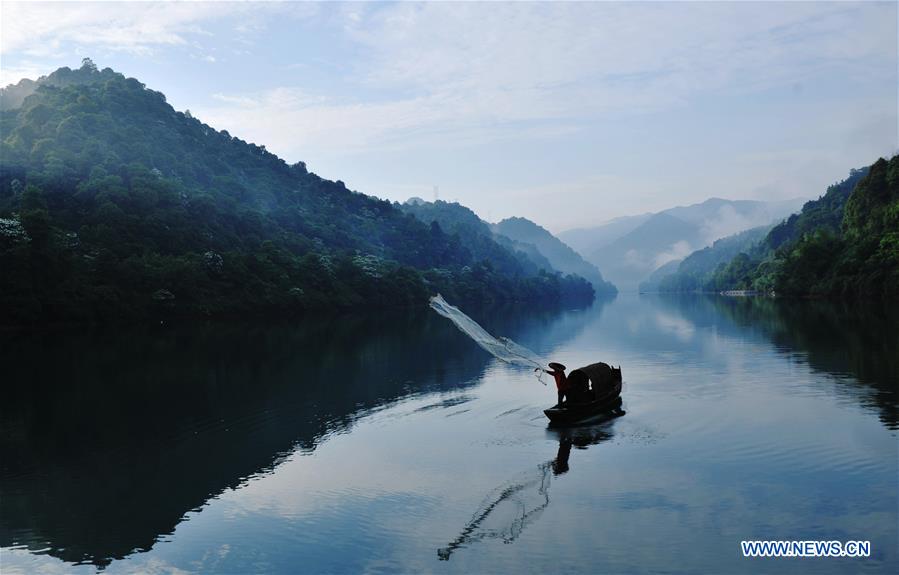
606, 392
582, 436
514, 505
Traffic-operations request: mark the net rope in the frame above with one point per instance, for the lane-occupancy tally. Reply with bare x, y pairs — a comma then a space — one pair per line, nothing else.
502, 348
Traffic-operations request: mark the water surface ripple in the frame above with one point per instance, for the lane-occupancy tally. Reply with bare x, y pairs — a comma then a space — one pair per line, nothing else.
391, 443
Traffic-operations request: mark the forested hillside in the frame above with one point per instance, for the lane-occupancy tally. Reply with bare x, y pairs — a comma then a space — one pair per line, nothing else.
114, 205
475, 236
846, 243
560, 255
699, 270
651, 284
14, 95
513, 245
504, 254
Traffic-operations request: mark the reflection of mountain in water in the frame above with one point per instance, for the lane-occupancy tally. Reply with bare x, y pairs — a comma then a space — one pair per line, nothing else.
507, 510
108, 439
540, 330
835, 337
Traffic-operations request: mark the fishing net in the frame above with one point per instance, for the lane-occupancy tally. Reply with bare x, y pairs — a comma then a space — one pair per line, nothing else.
502, 348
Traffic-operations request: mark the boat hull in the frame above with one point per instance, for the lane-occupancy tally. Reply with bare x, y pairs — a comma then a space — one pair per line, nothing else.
570, 413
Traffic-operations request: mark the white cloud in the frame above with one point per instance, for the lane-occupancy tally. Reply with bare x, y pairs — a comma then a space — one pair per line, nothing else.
41, 28
544, 57
677, 251
348, 127
728, 221
12, 75
483, 71
245, 101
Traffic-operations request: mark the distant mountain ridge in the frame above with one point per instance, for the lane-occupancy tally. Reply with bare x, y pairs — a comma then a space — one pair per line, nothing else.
629, 250
532, 246
695, 272
560, 255
588, 240
474, 234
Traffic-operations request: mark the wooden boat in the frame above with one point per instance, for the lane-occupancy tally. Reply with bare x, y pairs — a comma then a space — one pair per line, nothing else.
607, 386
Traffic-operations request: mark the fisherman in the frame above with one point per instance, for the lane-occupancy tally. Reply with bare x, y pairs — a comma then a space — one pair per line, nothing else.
558, 373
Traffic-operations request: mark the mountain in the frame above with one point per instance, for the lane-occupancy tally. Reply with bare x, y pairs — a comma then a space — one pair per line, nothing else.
695, 272
716, 214
651, 284
655, 242
671, 235
588, 240
824, 213
845, 243
480, 238
562, 257
472, 233
12, 96
114, 205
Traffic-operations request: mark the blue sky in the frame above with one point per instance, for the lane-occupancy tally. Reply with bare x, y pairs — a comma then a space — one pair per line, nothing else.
566, 113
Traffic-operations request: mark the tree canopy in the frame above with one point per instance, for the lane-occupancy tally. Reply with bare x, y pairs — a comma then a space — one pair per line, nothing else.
845, 243
114, 205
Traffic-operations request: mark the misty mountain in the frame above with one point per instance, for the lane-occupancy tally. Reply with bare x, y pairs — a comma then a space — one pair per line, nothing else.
115, 205
651, 284
695, 271
561, 256
588, 240
845, 243
531, 247
655, 242
12, 96
673, 234
475, 235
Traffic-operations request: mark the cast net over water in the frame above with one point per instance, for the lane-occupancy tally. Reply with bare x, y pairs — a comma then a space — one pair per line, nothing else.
502, 348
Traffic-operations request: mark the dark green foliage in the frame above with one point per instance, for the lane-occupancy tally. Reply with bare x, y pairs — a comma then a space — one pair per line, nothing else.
651, 284
707, 269
561, 256
473, 233
845, 243
505, 255
114, 205
735, 275
824, 213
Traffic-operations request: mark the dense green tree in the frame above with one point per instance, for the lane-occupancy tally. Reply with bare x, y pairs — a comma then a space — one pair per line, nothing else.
114, 205
704, 270
845, 243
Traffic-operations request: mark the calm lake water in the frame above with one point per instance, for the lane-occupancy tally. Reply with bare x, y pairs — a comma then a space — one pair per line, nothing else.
391, 443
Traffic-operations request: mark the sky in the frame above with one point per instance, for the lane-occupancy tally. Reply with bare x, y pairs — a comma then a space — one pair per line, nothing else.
569, 114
